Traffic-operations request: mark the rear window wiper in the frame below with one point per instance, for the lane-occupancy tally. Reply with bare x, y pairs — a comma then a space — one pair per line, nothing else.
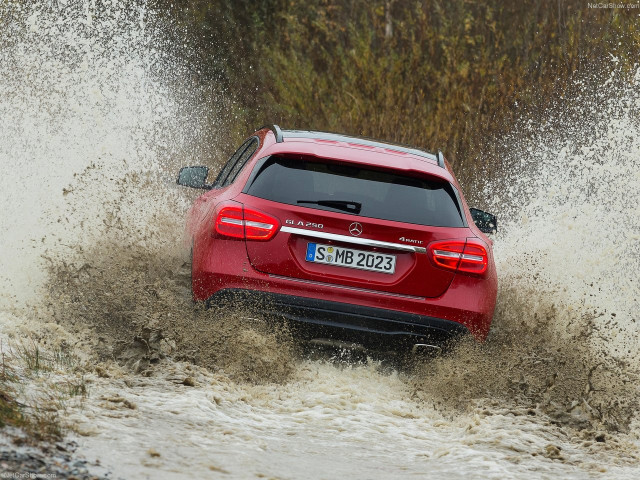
344, 205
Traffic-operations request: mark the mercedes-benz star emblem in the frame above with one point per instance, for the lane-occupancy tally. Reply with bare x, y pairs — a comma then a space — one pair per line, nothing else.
355, 229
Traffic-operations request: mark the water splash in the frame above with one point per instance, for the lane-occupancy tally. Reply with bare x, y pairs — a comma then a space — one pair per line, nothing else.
569, 198
95, 107
565, 338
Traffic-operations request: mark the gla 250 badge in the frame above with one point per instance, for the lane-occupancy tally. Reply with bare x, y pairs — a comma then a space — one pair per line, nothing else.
300, 223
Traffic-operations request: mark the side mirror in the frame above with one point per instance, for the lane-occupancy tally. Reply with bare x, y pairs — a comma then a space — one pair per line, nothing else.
486, 222
194, 177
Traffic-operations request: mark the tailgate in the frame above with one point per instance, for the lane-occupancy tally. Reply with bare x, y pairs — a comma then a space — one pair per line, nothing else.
380, 243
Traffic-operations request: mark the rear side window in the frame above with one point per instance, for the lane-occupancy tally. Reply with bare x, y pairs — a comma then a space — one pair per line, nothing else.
238, 160
350, 189
242, 161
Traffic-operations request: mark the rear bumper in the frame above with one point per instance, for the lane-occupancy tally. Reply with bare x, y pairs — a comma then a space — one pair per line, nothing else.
221, 267
373, 327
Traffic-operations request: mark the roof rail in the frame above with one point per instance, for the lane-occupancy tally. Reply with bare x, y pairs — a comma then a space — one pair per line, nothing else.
440, 159
276, 131
372, 142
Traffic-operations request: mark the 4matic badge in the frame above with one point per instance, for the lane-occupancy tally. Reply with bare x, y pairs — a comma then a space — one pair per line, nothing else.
410, 240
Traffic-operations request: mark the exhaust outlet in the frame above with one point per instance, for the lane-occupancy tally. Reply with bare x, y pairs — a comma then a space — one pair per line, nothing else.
337, 344
426, 349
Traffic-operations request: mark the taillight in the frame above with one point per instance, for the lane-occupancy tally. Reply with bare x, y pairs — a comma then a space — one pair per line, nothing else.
230, 222
474, 259
258, 225
239, 222
460, 256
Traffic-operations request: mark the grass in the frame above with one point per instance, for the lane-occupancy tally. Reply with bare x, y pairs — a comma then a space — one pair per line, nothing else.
10, 411
39, 414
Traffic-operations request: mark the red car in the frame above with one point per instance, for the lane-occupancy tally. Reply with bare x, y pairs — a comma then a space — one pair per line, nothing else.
358, 240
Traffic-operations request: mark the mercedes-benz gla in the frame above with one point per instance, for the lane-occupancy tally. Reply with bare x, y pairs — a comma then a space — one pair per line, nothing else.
358, 240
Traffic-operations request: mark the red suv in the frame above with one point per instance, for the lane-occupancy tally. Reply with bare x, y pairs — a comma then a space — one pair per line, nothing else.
358, 240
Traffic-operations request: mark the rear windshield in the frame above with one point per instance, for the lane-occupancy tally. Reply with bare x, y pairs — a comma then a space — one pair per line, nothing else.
359, 191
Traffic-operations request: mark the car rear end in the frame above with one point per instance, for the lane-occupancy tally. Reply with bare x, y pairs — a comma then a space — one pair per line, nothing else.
351, 248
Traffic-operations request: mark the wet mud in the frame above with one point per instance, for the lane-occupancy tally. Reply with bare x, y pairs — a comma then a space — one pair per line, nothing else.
135, 307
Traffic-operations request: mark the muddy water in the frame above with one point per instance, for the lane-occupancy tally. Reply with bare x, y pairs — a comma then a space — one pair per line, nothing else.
98, 109
328, 421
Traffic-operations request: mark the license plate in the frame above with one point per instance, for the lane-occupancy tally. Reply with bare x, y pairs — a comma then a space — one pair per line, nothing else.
348, 257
